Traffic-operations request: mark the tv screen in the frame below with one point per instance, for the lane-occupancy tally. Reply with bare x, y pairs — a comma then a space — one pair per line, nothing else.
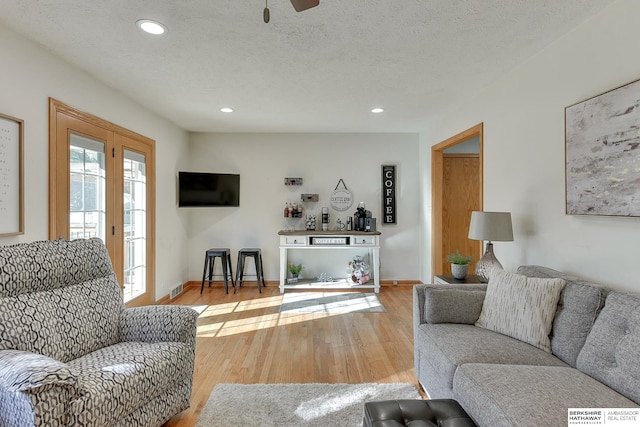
199, 189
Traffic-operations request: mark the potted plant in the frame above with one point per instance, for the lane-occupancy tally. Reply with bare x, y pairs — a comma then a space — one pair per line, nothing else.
459, 264
295, 270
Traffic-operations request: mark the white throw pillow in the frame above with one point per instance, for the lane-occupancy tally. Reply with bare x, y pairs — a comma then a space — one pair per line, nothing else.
521, 307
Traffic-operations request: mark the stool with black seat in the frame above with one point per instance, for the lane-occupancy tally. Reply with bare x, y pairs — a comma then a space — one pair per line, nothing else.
434, 412
227, 272
256, 254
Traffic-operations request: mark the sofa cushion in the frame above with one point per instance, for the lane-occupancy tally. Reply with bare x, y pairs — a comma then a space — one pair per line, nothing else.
441, 348
441, 305
119, 379
521, 307
611, 353
579, 305
535, 396
63, 323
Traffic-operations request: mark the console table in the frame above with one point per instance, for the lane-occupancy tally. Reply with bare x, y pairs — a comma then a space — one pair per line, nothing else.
330, 241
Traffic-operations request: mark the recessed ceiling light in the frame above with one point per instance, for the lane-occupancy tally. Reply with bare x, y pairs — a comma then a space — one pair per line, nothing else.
151, 27
226, 110
377, 110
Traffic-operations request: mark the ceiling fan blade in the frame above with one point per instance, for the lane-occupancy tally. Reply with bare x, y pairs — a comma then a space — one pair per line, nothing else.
300, 5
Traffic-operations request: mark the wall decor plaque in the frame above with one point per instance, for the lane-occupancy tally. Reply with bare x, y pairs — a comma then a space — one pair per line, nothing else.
11, 176
389, 194
602, 154
293, 181
341, 199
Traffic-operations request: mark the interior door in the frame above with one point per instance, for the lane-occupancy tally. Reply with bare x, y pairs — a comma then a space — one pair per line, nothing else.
460, 198
101, 185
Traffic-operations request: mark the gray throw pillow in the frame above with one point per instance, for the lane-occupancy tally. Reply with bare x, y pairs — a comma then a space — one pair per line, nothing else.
521, 307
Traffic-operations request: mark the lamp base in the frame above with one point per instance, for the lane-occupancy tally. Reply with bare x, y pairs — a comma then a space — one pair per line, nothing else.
486, 263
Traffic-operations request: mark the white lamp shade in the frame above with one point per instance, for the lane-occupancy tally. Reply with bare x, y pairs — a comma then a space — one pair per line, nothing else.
491, 226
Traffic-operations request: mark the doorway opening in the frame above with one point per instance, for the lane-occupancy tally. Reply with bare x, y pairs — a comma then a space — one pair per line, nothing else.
456, 181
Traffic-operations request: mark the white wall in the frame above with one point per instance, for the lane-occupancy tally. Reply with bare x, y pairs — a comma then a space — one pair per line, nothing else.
523, 119
28, 77
264, 160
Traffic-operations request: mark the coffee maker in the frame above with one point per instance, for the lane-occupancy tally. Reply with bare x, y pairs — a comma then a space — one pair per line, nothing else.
362, 220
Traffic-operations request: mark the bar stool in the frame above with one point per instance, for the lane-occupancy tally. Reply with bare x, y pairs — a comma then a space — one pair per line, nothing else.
257, 258
209, 260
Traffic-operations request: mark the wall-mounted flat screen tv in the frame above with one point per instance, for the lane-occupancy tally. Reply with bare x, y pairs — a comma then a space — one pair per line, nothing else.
201, 189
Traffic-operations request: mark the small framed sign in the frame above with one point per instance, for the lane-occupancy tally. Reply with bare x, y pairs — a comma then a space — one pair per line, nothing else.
341, 199
389, 194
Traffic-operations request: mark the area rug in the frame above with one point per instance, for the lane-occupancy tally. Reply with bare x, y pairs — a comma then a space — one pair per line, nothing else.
296, 405
331, 302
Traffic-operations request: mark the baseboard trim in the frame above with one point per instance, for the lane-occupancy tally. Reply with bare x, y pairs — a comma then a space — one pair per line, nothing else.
383, 283
400, 282
164, 300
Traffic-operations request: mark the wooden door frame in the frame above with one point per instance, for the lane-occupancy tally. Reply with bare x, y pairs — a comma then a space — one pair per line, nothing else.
59, 191
437, 171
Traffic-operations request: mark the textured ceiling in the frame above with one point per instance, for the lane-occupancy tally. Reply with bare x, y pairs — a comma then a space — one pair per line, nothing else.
321, 70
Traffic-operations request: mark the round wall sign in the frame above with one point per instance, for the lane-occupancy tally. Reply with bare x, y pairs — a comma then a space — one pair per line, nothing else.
341, 199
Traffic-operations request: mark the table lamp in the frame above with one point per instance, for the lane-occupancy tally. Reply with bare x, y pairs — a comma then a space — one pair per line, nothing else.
489, 226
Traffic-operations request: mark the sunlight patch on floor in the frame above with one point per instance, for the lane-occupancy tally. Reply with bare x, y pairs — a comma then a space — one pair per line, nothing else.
259, 303
210, 325
331, 302
249, 325
219, 309
199, 308
303, 308
210, 330
238, 326
327, 404
292, 318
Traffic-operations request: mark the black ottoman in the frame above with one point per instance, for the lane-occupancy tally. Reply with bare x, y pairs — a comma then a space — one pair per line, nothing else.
416, 413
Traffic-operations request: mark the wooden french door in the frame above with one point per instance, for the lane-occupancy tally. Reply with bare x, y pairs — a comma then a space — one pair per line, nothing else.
101, 184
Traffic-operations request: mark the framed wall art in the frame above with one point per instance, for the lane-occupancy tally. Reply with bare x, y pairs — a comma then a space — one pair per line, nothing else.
602, 154
11, 195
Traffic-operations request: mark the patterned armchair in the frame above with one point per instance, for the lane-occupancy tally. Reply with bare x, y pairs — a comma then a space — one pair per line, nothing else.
71, 354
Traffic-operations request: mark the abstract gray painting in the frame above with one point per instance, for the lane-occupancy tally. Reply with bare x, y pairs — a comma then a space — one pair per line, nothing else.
603, 154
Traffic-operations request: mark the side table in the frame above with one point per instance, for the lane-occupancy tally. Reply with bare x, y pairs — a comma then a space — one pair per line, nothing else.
448, 279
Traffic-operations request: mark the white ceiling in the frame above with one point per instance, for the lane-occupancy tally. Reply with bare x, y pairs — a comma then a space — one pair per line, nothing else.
321, 70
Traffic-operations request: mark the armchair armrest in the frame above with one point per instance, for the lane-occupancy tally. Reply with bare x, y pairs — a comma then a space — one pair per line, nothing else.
21, 371
447, 304
34, 389
159, 323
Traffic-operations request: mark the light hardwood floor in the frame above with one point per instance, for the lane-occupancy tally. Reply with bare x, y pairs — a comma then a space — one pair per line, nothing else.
243, 338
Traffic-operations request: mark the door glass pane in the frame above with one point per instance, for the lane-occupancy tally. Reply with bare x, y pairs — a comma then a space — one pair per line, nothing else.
87, 217
135, 225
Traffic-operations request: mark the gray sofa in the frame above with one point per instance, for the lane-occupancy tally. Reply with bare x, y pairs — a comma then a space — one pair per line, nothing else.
500, 381
72, 355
